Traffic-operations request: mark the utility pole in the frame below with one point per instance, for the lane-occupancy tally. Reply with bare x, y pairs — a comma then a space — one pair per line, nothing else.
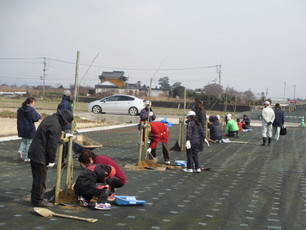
44, 76
294, 92
219, 72
284, 90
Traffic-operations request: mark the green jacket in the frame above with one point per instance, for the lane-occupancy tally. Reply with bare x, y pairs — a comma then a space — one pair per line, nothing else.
231, 125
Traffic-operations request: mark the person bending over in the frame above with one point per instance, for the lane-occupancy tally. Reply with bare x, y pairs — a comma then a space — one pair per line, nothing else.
117, 181
92, 182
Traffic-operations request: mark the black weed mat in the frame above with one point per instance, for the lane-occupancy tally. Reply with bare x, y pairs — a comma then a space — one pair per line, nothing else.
248, 187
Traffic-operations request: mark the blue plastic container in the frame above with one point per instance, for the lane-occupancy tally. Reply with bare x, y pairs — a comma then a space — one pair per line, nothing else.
128, 200
181, 163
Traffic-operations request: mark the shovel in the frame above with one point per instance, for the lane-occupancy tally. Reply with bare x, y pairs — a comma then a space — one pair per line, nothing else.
47, 213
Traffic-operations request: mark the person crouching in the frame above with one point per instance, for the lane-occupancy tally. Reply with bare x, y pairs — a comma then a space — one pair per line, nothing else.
92, 182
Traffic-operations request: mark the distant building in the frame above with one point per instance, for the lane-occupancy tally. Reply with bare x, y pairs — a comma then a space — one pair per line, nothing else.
116, 83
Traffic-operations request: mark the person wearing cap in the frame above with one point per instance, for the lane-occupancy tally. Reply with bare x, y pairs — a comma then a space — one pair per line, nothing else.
42, 153
158, 132
92, 182
231, 128
147, 114
194, 142
119, 179
65, 104
268, 117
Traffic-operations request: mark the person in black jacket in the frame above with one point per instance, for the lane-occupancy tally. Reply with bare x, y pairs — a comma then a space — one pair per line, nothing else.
194, 142
278, 121
200, 113
26, 117
216, 133
92, 182
42, 153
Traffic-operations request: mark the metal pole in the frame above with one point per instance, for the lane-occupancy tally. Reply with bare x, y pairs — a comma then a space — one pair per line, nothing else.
44, 76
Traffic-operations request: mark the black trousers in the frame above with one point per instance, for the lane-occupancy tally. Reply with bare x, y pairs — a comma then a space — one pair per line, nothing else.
165, 151
193, 157
99, 191
39, 174
114, 182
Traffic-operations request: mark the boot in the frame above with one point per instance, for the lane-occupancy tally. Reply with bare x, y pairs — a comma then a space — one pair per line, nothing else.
269, 141
264, 139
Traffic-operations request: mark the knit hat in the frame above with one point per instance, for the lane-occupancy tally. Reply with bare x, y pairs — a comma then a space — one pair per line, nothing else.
67, 92
66, 115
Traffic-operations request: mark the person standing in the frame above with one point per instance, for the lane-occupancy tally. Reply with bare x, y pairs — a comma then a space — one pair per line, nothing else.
278, 121
147, 114
200, 113
117, 181
26, 117
158, 132
267, 121
42, 153
194, 143
65, 104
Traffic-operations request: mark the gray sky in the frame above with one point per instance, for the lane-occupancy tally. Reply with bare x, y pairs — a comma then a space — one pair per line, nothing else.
261, 44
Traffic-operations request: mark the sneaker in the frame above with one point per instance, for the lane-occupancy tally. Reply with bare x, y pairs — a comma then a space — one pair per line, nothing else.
101, 206
19, 156
27, 160
197, 170
188, 170
44, 203
82, 201
167, 162
111, 197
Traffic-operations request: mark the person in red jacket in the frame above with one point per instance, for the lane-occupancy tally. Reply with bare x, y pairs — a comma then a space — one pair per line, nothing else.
158, 132
239, 123
117, 181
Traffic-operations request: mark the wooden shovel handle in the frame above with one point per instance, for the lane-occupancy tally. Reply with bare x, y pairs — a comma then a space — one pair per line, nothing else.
91, 220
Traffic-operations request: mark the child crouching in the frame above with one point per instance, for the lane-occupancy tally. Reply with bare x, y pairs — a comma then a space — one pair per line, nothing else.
92, 182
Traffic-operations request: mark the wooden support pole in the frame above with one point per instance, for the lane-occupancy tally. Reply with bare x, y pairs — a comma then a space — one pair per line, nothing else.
146, 137
140, 146
59, 169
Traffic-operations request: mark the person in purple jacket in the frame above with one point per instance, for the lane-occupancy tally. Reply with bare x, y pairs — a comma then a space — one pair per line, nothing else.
26, 117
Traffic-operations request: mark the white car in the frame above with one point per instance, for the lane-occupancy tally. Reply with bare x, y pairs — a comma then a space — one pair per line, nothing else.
123, 104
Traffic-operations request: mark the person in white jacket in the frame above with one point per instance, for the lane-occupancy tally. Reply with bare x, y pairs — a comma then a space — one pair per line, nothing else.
267, 120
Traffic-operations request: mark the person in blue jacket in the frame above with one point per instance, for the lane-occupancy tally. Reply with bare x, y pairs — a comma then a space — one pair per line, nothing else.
26, 117
65, 105
278, 121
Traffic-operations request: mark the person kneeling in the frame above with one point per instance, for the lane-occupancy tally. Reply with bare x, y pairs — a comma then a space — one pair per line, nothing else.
92, 182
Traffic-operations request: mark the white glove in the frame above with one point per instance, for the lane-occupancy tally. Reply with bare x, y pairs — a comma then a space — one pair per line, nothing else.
151, 114
206, 141
68, 135
149, 150
50, 165
188, 145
